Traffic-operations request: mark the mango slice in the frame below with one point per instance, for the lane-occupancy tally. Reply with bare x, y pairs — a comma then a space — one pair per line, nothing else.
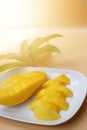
40, 103
58, 102
63, 79
52, 82
51, 92
52, 99
45, 113
19, 88
63, 90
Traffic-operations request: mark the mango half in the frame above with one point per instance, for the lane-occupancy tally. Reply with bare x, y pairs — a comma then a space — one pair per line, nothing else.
19, 88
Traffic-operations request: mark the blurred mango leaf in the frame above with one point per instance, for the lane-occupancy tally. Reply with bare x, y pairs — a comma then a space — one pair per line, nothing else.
28, 53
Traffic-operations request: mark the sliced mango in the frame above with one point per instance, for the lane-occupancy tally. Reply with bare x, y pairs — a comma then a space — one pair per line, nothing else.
52, 99
19, 88
52, 82
49, 92
45, 113
40, 103
58, 102
63, 90
63, 79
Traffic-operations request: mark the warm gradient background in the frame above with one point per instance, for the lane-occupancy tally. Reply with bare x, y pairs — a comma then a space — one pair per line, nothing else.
67, 17
43, 13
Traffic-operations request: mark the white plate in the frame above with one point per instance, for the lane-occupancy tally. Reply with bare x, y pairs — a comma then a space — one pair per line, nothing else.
22, 113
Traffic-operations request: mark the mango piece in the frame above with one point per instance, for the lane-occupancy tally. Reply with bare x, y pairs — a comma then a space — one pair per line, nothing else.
52, 82
63, 79
19, 88
58, 102
45, 113
49, 92
63, 90
52, 99
40, 103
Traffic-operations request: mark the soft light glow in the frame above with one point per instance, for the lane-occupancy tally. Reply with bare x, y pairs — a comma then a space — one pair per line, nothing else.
43, 13
10, 12
17, 13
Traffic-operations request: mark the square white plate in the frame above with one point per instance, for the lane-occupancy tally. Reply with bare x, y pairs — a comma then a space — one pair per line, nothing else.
22, 113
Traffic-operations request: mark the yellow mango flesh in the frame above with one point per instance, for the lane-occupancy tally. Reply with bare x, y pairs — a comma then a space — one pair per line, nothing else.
63, 79
53, 95
40, 103
60, 103
45, 113
19, 88
63, 90
58, 87
52, 82
49, 92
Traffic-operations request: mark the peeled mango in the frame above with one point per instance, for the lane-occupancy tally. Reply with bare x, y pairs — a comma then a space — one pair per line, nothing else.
52, 99
46, 113
19, 88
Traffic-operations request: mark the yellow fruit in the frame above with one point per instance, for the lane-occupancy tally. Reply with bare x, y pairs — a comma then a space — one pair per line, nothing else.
19, 88
34, 104
52, 82
63, 79
63, 90
45, 113
52, 99
40, 103
49, 92
58, 102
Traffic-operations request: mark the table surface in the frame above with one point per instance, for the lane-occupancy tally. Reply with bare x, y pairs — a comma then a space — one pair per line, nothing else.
73, 56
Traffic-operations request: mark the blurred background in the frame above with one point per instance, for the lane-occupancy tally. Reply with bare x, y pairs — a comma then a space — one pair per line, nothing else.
23, 19
43, 13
